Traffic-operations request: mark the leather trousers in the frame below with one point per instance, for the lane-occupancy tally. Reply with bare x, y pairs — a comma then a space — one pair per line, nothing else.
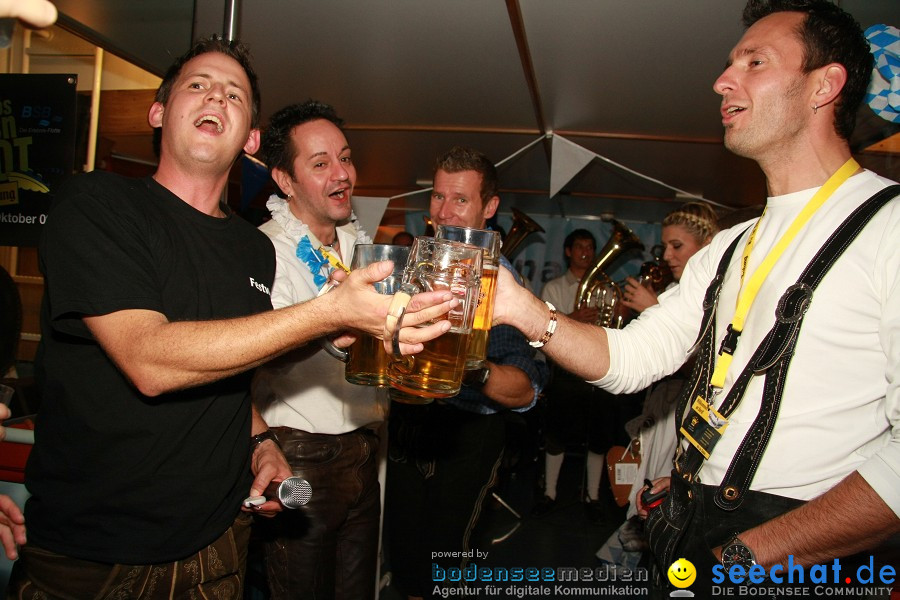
216, 571
327, 548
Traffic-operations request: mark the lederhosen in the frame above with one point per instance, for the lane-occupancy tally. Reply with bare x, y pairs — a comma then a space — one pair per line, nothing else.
695, 518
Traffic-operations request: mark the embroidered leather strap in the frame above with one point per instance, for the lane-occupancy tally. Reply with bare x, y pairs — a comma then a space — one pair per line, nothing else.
688, 462
772, 358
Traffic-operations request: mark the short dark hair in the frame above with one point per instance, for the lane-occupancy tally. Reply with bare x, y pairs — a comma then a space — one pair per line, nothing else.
461, 158
276, 148
829, 35
579, 234
403, 238
214, 43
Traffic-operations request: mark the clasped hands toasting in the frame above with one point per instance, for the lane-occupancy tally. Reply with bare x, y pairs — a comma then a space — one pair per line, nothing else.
420, 317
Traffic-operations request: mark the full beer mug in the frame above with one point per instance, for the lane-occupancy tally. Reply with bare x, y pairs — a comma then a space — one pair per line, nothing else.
489, 242
437, 371
367, 362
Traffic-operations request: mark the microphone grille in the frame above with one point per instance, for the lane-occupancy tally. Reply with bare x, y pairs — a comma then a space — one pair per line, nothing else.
294, 492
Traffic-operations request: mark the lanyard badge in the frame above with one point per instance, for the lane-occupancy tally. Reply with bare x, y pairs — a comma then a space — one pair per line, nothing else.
704, 426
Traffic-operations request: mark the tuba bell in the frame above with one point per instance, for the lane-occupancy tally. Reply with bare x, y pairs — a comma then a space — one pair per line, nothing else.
655, 275
522, 227
596, 289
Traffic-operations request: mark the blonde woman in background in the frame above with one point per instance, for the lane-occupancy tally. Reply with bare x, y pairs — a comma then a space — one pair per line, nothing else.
684, 231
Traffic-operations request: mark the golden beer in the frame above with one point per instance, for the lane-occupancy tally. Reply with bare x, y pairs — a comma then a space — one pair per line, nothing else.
436, 372
368, 362
476, 352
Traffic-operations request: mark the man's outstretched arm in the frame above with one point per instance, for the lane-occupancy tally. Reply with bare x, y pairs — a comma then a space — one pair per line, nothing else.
160, 356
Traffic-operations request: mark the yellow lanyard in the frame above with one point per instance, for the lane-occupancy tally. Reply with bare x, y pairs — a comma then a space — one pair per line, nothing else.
748, 295
333, 260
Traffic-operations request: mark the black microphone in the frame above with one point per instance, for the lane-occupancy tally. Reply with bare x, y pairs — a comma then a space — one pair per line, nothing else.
292, 493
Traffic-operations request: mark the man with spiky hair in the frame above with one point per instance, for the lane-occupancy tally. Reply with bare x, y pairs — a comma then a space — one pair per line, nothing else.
326, 427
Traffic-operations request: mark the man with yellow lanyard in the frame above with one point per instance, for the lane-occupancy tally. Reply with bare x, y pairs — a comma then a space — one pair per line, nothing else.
818, 444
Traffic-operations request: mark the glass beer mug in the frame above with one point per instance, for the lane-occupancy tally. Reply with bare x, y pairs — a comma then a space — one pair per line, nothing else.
437, 371
367, 361
489, 242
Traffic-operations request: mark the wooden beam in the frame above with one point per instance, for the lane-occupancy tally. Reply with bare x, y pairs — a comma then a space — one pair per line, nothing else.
612, 135
889, 145
518, 28
124, 112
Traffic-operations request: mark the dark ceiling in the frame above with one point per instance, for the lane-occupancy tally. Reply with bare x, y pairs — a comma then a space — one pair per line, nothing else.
629, 80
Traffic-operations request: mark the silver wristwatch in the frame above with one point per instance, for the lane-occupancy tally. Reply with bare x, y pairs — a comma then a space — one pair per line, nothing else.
736, 552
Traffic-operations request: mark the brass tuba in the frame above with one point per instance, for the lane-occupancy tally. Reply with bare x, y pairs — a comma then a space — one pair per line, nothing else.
522, 227
655, 275
596, 288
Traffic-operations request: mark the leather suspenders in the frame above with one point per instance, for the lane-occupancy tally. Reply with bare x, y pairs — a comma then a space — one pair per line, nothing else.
771, 358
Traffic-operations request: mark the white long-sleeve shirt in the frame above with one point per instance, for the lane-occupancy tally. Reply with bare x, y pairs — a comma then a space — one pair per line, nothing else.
840, 410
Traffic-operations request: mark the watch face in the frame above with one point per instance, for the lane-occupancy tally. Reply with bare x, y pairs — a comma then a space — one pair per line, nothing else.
737, 553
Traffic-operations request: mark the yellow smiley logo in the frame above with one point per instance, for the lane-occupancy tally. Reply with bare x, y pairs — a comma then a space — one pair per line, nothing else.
682, 573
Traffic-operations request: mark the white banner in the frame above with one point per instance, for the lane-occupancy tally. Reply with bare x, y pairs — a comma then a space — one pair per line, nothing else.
369, 210
568, 160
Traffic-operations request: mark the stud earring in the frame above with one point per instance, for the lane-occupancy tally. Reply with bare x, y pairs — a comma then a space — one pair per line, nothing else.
815, 109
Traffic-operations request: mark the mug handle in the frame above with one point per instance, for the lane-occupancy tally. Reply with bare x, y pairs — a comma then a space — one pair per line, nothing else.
327, 344
393, 324
333, 350
397, 309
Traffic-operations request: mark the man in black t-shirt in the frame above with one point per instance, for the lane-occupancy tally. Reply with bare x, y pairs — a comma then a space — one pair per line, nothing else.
156, 308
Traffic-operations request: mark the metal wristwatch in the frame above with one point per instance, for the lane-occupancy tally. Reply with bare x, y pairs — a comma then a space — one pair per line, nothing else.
477, 378
736, 552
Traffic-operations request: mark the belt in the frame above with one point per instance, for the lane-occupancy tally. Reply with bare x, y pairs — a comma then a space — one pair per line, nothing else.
306, 435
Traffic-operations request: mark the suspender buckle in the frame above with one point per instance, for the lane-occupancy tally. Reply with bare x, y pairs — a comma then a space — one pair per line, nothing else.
729, 343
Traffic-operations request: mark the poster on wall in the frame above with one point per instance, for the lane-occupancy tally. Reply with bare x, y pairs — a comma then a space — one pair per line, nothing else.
37, 150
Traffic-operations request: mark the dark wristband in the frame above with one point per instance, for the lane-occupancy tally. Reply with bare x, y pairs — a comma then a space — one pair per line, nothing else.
259, 438
477, 378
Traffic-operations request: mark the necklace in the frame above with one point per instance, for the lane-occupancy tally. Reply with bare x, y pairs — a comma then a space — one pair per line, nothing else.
323, 259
